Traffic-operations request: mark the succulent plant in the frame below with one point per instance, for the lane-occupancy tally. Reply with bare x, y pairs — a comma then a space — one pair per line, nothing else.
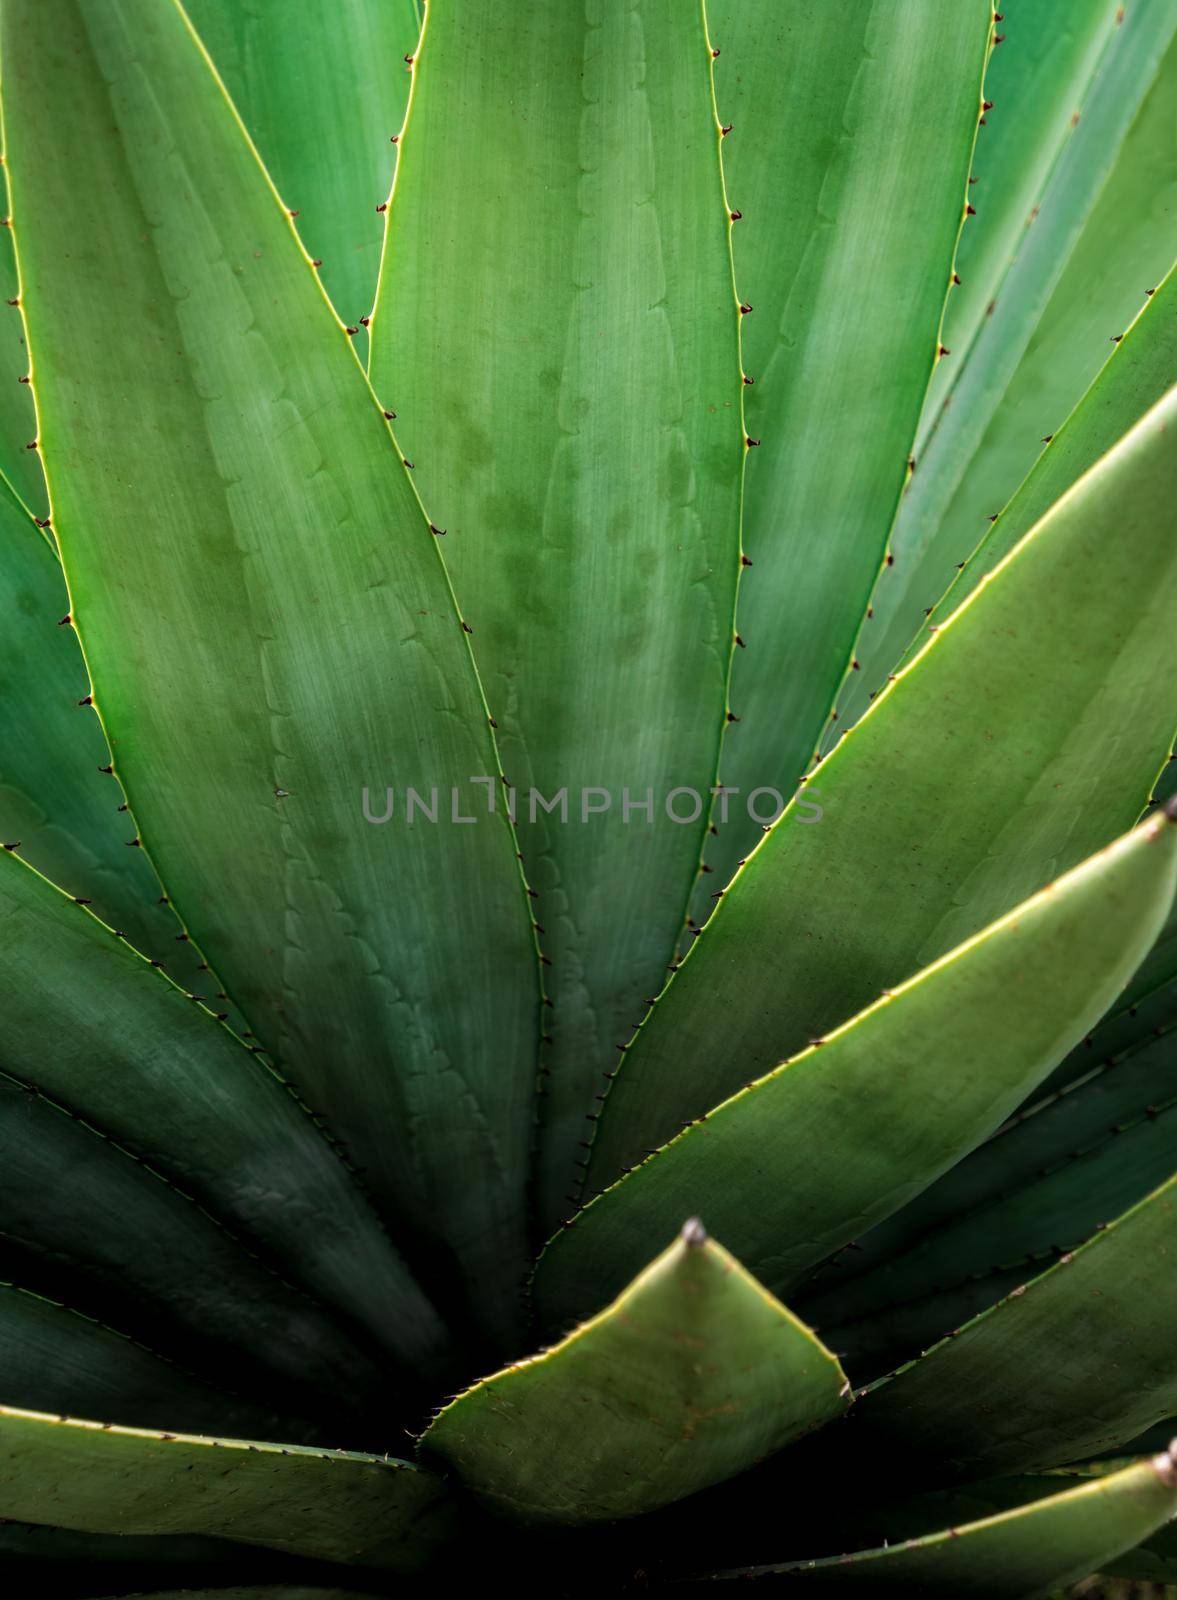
588, 597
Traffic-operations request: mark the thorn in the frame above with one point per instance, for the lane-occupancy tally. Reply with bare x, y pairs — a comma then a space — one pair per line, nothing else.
87, 700
735, 215
394, 139
745, 308
292, 213
390, 416
407, 463
694, 1234
80, 902
466, 628
986, 105
714, 53
108, 770
998, 38
65, 621
27, 379
944, 350
351, 332
1047, 437
42, 522
725, 129
133, 844
382, 207
15, 845
32, 445
15, 302
890, 562
317, 262
956, 279
855, 665
970, 211
749, 381
741, 642
731, 717
703, 867
182, 938
365, 322
745, 562
1116, 337
440, 532
751, 443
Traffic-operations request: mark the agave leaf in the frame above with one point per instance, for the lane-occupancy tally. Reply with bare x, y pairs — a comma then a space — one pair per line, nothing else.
1135, 378
322, 89
557, 332
294, 636
1035, 1190
692, 1375
1036, 83
851, 187
335, 1504
1102, 232
52, 1355
1071, 1363
132, 1246
56, 798
892, 1099
20, 468
1021, 1553
97, 1030
1025, 736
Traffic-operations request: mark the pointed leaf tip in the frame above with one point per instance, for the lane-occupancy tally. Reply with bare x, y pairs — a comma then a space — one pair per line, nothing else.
694, 1233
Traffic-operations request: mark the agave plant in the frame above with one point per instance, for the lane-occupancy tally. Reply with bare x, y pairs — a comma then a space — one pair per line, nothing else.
587, 599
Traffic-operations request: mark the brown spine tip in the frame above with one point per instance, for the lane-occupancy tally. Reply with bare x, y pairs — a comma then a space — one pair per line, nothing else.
383, 206
694, 1234
65, 621
745, 561
15, 845
390, 416
745, 308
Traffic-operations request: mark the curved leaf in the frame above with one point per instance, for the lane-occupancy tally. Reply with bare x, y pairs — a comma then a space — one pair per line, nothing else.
1070, 1364
892, 1099
1023, 1553
269, 626
322, 88
851, 187
1025, 736
334, 1504
692, 1375
51, 1355
1101, 233
89, 1022
557, 332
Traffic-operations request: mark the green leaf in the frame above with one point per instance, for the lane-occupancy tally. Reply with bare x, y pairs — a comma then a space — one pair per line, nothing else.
334, 1504
694, 1374
1022, 1553
892, 1099
1024, 738
557, 331
98, 1031
221, 473
851, 188
1100, 233
20, 468
58, 800
130, 1245
52, 1355
1040, 1186
1070, 1364
322, 89
1036, 84
1135, 378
